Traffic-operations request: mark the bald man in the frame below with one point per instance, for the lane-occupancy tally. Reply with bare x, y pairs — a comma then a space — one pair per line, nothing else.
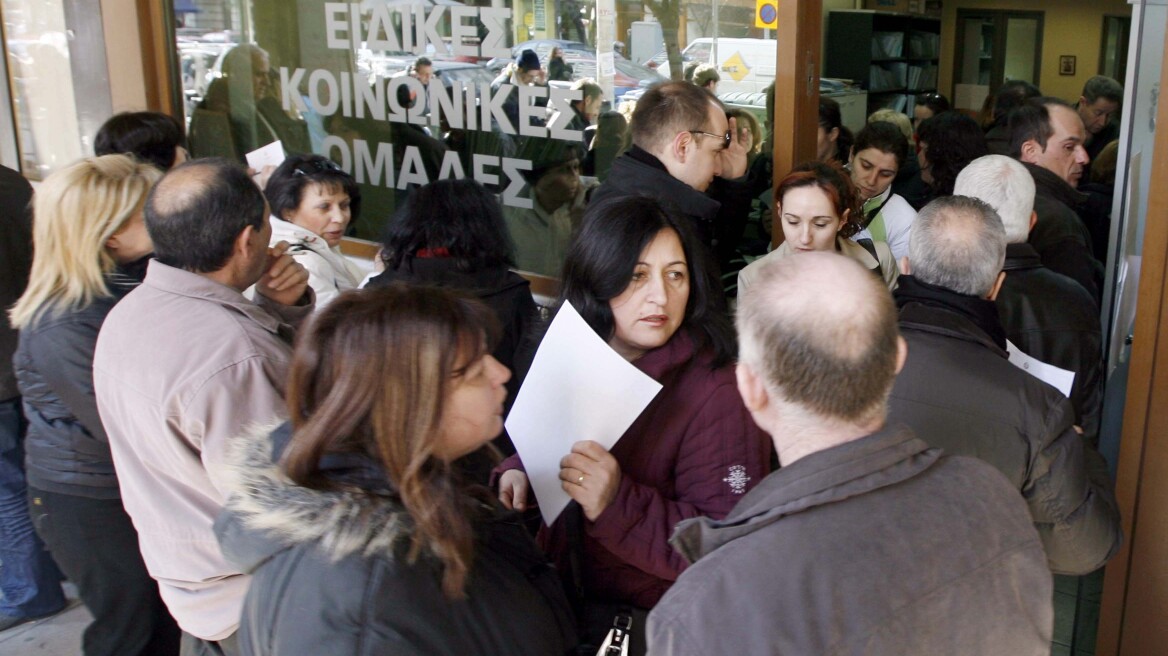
867, 540
959, 391
185, 362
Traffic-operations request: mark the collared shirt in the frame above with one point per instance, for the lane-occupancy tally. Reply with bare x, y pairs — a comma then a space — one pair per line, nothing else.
182, 365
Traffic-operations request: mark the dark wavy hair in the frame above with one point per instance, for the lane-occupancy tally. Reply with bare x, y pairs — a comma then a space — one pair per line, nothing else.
886, 138
371, 375
833, 180
460, 218
285, 188
954, 140
149, 137
603, 254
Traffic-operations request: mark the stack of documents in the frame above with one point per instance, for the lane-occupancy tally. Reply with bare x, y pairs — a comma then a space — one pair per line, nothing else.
885, 77
887, 45
922, 77
923, 45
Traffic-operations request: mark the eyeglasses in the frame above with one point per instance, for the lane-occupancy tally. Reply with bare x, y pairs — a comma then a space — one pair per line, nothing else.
726, 138
317, 166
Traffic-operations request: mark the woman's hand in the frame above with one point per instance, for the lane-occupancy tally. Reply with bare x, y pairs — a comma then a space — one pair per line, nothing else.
513, 487
591, 476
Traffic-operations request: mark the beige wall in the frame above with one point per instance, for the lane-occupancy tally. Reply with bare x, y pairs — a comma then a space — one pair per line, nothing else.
1070, 27
123, 51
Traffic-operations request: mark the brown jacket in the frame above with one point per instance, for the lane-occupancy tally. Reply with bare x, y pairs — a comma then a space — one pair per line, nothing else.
877, 546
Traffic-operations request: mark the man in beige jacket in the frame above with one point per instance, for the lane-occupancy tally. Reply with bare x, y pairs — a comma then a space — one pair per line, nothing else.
183, 364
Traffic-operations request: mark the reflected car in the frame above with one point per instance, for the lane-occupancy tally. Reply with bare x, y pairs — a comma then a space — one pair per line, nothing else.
582, 58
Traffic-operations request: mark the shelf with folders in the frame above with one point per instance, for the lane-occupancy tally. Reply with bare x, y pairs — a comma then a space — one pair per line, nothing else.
889, 54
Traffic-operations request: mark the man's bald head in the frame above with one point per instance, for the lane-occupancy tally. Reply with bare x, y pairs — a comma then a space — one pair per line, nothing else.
958, 243
196, 211
821, 331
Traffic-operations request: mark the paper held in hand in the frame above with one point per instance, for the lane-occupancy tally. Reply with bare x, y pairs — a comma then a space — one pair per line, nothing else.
271, 154
578, 388
1060, 379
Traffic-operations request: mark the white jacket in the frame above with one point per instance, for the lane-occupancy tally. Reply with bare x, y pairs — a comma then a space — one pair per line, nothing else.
329, 272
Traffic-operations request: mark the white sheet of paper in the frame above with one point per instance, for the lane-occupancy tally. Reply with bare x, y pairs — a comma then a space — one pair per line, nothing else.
272, 153
578, 388
1060, 379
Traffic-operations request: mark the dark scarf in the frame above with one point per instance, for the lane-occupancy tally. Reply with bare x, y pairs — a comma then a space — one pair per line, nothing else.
981, 312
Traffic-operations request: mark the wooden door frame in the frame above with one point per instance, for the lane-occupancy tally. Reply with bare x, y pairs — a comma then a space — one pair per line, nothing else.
1135, 587
796, 110
156, 28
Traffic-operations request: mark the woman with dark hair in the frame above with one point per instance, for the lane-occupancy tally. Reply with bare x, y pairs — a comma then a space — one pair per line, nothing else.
878, 154
946, 143
557, 68
833, 141
641, 279
927, 106
451, 233
313, 201
363, 537
819, 210
150, 137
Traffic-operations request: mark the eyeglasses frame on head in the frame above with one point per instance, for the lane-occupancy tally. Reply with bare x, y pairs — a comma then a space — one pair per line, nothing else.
317, 166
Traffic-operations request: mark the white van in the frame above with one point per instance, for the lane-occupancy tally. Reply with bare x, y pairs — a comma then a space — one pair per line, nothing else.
745, 64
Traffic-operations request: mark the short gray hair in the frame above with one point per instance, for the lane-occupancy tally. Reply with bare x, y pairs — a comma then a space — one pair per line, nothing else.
958, 243
834, 358
1006, 185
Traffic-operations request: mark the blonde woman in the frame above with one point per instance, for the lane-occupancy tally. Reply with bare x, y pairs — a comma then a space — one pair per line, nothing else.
91, 248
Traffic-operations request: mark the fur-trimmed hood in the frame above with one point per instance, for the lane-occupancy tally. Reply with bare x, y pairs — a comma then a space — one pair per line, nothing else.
267, 513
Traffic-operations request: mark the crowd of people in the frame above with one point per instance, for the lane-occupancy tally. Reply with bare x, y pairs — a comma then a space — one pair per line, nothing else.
234, 440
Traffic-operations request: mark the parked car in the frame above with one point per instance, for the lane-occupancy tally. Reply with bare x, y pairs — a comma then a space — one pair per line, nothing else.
582, 57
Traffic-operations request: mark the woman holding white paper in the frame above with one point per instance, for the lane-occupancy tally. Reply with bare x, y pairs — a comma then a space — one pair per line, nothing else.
312, 202
356, 526
642, 281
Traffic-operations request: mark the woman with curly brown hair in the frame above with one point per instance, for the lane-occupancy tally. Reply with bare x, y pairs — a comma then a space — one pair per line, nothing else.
819, 210
363, 537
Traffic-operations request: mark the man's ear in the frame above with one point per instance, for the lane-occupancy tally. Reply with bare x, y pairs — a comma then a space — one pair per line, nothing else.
243, 240
1033, 221
1083, 101
993, 295
833, 135
752, 388
1030, 151
905, 267
679, 147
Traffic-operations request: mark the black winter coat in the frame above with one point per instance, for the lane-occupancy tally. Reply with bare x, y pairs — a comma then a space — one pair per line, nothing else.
958, 391
1053, 319
330, 574
15, 262
66, 447
1060, 236
718, 215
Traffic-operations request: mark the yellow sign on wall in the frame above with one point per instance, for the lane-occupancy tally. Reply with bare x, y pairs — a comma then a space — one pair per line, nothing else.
766, 14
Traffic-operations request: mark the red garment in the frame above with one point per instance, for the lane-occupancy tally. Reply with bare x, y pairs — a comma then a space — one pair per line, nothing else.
693, 452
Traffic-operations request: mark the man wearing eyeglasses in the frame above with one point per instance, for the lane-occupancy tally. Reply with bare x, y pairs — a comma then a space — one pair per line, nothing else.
686, 154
